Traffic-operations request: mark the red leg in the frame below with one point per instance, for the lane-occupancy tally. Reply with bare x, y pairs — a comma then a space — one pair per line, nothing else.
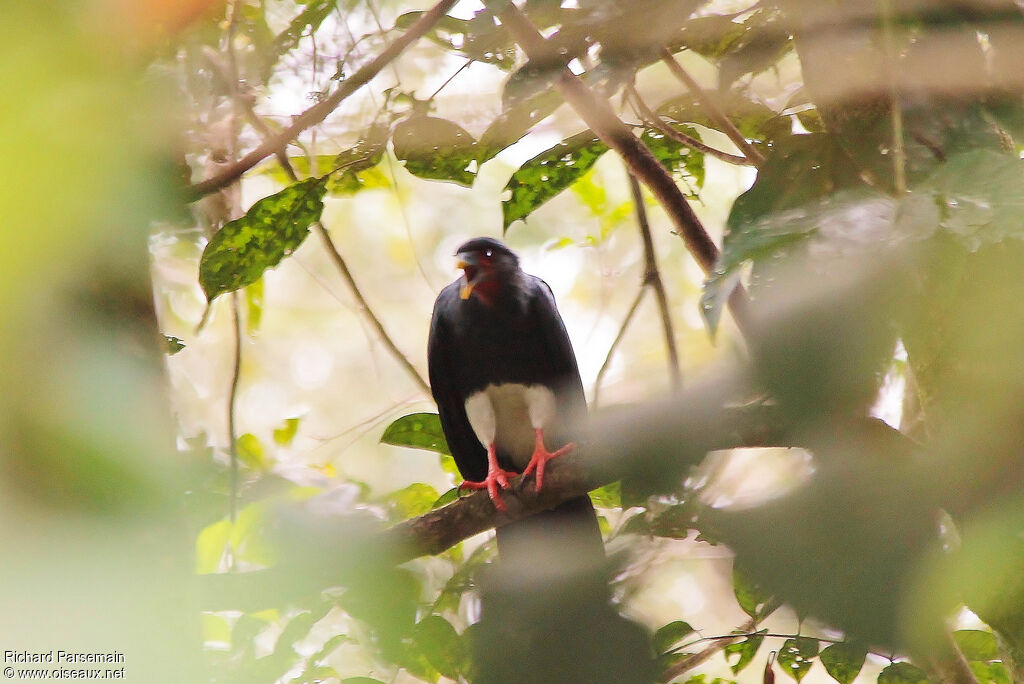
541, 456
495, 477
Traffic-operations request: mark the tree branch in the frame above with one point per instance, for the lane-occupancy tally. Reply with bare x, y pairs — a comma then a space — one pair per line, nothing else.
319, 111
599, 116
652, 278
651, 118
618, 338
716, 114
702, 656
346, 275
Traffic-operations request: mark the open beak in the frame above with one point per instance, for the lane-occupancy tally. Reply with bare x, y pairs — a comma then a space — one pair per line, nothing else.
470, 275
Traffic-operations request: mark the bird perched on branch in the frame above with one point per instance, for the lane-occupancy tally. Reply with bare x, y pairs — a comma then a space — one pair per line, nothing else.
508, 391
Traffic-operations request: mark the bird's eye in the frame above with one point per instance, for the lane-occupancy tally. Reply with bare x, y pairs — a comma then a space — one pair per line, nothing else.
487, 253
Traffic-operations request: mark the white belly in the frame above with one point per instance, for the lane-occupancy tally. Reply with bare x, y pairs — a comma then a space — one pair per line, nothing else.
507, 415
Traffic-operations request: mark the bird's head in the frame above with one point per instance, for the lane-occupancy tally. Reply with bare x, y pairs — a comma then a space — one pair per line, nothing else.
488, 267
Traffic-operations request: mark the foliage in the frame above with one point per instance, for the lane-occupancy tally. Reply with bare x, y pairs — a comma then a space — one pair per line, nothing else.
880, 242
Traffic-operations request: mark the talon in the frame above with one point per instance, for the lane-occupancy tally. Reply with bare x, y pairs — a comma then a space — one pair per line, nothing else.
496, 477
541, 456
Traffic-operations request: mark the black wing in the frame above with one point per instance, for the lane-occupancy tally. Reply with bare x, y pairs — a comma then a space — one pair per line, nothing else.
469, 455
564, 373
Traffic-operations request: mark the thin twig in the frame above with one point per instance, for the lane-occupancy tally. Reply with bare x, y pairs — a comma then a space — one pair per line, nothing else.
319, 111
716, 114
618, 338
602, 119
899, 153
651, 118
690, 662
346, 274
652, 278
236, 372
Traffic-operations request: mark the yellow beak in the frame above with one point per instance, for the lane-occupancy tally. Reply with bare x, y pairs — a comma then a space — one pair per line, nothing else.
467, 287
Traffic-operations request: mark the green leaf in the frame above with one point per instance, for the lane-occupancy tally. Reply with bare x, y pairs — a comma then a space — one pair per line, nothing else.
514, 122
675, 522
284, 435
416, 499
446, 498
253, 306
250, 451
671, 634
273, 228
547, 174
797, 655
976, 644
174, 344
751, 598
435, 149
210, 544
361, 680
986, 673
902, 673
357, 165
441, 645
307, 21
760, 48
608, 496
746, 650
843, 661
754, 120
418, 431
675, 156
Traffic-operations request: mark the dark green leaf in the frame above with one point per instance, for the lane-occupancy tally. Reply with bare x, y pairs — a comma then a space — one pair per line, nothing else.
675, 522
434, 148
760, 48
273, 228
711, 36
976, 644
676, 157
514, 122
797, 655
307, 21
750, 597
441, 645
547, 174
671, 634
464, 578
174, 344
843, 661
746, 650
902, 673
419, 431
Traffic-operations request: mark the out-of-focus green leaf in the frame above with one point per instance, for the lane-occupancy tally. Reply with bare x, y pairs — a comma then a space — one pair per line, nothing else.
990, 673
210, 545
797, 655
711, 36
671, 634
754, 120
547, 174
478, 38
419, 431
675, 522
306, 21
273, 228
843, 661
284, 435
514, 122
441, 645
446, 498
416, 499
253, 307
250, 451
174, 344
676, 157
464, 578
746, 650
357, 166
749, 596
435, 148
977, 645
762, 45
361, 680
902, 673
608, 496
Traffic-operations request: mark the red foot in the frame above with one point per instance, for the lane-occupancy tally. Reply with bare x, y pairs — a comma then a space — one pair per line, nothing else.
541, 456
495, 477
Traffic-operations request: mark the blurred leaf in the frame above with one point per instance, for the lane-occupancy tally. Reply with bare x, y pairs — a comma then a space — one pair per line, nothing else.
676, 157
464, 578
593, 196
416, 499
754, 120
762, 45
361, 680
418, 431
435, 149
174, 344
675, 522
441, 645
746, 650
977, 645
990, 673
843, 661
446, 498
514, 122
711, 36
749, 596
548, 173
797, 655
250, 452
902, 673
608, 496
357, 164
306, 21
671, 634
284, 435
273, 228
253, 307
210, 544
478, 38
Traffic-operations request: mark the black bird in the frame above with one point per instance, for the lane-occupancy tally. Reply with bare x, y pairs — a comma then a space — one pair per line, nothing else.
502, 370
509, 393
